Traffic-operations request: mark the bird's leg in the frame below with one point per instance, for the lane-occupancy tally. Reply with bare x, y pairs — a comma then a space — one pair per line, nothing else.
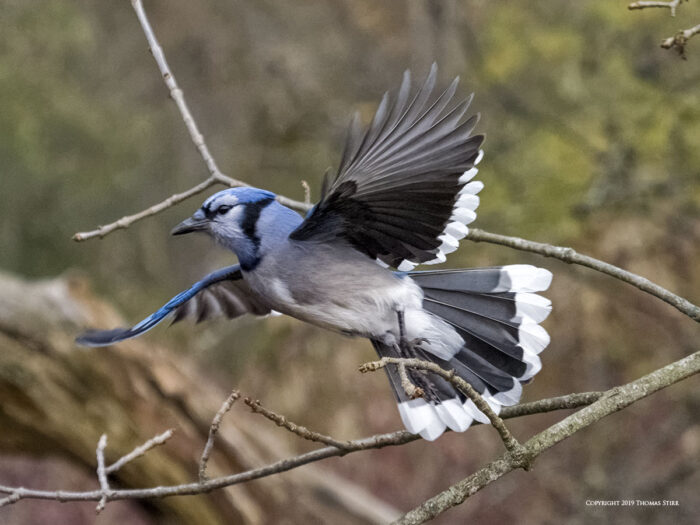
408, 348
411, 349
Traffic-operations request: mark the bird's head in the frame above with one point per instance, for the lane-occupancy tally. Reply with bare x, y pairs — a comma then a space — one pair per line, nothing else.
228, 215
233, 218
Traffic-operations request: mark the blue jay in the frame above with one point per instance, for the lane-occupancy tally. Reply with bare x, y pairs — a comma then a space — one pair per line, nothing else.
402, 196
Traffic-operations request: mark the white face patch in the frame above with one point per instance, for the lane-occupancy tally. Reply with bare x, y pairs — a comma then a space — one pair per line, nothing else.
227, 226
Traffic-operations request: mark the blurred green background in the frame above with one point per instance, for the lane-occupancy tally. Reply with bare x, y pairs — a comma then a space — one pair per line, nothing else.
593, 141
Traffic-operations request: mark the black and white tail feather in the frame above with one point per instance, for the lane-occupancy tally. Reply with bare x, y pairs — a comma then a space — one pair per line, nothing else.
496, 313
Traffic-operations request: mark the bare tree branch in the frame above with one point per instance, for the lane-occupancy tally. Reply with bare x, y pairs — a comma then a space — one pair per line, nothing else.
307, 192
569, 401
14, 497
175, 92
215, 174
399, 437
680, 40
101, 473
299, 430
128, 220
411, 390
569, 255
213, 430
140, 451
672, 5
509, 441
178, 96
611, 401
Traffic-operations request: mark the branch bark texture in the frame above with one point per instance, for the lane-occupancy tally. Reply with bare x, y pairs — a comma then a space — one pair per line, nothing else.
672, 5
570, 256
397, 438
215, 174
678, 41
610, 402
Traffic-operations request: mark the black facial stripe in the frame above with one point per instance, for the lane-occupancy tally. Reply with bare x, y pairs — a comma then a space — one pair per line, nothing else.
251, 216
206, 208
209, 209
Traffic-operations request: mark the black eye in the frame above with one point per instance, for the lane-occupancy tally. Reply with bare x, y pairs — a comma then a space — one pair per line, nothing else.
223, 209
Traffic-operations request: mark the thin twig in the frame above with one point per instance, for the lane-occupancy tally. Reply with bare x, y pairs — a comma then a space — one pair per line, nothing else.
680, 40
175, 92
179, 97
397, 438
612, 401
14, 497
213, 430
299, 430
215, 174
672, 5
140, 451
508, 440
102, 473
128, 220
569, 401
411, 390
570, 256
307, 192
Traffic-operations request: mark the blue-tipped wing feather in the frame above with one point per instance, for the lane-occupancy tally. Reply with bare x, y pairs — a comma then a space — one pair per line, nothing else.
223, 292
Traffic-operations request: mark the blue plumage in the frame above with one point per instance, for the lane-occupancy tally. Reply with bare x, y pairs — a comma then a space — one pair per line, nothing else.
403, 196
108, 337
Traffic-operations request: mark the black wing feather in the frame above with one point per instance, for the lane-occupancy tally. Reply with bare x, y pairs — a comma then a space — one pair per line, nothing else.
398, 181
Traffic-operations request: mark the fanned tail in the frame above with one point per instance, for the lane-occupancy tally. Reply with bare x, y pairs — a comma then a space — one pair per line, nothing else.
496, 312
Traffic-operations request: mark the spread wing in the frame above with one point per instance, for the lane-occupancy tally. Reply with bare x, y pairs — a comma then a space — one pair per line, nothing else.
402, 192
223, 292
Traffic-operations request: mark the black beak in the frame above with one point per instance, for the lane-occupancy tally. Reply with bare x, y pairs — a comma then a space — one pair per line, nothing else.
193, 224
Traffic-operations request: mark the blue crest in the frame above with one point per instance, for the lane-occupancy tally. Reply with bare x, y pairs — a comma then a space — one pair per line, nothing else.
244, 195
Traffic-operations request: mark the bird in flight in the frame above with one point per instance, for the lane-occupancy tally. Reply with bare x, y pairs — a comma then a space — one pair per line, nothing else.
402, 196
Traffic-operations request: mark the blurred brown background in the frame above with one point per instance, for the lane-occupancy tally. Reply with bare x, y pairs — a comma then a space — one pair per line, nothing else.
593, 141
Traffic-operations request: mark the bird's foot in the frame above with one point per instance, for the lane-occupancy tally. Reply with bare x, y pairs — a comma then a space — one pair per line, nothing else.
409, 347
416, 383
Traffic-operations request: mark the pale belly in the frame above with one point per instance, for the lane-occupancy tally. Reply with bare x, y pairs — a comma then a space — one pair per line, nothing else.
350, 309
344, 291
363, 306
